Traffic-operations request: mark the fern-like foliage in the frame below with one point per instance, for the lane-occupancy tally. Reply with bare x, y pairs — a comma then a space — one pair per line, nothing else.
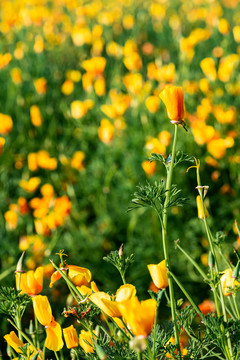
180, 156
154, 196
11, 299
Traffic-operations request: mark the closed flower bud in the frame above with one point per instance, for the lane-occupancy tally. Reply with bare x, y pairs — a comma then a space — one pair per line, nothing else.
200, 208
70, 337
172, 96
211, 260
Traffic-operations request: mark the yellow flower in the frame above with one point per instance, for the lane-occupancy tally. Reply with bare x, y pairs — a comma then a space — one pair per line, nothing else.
14, 341
172, 96
77, 160
67, 87
159, 274
208, 68
31, 282
54, 339
106, 131
42, 309
40, 85
78, 275
152, 103
85, 341
108, 305
149, 167
31, 185
70, 337
200, 209
35, 115
11, 219
6, 124
227, 281
139, 315
105, 303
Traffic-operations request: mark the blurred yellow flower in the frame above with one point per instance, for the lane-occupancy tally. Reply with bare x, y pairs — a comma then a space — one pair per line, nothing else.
6, 124
106, 131
40, 85
35, 115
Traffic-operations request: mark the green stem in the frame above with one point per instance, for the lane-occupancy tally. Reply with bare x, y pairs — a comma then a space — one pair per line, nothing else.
190, 299
26, 338
232, 307
197, 267
76, 354
164, 238
123, 278
227, 345
139, 355
56, 355
36, 331
236, 307
7, 272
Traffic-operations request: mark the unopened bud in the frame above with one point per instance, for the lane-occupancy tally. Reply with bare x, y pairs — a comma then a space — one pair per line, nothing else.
31, 329
120, 251
19, 267
100, 352
138, 343
235, 273
211, 260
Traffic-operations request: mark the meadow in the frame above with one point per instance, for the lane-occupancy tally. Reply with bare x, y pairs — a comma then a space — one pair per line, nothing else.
86, 133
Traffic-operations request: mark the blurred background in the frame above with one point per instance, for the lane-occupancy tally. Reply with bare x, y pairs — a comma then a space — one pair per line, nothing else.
80, 114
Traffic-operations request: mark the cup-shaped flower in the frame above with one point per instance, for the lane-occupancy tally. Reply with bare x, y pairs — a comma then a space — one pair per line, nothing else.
54, 339
70, 337
78, 275
172, 96
227, 282
159, 274
14, 341
85, 341
200, 208
105, 303
42, 309
139, 315
110, 306
31, 282
125, 292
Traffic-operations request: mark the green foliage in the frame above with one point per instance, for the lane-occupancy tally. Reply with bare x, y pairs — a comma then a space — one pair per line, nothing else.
11, 299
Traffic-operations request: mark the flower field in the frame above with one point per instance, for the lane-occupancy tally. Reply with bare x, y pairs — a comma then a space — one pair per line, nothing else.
119, 179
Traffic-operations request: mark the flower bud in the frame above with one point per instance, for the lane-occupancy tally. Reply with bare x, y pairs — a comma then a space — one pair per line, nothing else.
211, 260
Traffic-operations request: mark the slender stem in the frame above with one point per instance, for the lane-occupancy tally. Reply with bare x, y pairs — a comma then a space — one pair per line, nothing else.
190, 299
234, 315
56, 355
227, 345
123, 278
36, 331
236, 307
164, 238
197, 267
76, 354
26, 338
7, 272
139, 355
